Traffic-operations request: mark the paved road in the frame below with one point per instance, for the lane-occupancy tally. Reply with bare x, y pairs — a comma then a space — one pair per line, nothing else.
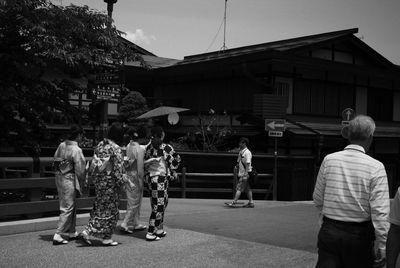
201, 233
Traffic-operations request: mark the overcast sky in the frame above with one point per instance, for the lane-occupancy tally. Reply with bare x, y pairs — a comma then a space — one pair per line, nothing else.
178, 28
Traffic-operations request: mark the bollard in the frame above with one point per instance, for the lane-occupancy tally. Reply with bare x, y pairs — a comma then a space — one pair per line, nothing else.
234, 183
184, 182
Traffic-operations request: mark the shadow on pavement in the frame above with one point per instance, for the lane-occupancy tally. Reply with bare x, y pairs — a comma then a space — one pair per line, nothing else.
46, 237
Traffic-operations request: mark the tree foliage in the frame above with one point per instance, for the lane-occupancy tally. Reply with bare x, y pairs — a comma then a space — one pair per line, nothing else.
133, 105
44, 50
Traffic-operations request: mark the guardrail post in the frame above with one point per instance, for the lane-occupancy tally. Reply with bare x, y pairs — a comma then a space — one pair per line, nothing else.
34, 194
184, 182
234, 183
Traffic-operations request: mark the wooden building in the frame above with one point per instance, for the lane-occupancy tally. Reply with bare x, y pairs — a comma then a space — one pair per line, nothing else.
307, 81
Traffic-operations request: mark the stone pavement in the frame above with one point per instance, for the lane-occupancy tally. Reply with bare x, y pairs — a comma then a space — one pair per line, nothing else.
201, 233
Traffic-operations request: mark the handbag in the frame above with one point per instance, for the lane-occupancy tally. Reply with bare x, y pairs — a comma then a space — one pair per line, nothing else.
253, 176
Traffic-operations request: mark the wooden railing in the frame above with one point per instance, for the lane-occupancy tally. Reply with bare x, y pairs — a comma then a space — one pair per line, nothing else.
217, 178
18, 175
36, 184
17, 165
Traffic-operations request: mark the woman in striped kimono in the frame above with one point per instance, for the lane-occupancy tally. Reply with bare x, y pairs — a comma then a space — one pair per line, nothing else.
69, 166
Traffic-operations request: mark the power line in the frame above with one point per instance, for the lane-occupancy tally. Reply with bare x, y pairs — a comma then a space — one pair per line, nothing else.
219, 29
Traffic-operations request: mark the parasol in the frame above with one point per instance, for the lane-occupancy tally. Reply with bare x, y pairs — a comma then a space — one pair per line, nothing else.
162, 110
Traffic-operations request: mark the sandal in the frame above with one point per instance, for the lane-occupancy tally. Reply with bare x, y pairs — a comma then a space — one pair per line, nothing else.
140, 227
73, 236
231, 204
162, 234
110, 244
60, 242
125, 230
152, 237
249, 205
85, 238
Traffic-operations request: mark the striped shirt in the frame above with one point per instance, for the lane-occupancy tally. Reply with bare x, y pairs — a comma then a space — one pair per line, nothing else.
352, 187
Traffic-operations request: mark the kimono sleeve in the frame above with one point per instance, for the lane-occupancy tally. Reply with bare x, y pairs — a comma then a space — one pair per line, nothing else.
118, 166
60, 151
172, 158
79, 164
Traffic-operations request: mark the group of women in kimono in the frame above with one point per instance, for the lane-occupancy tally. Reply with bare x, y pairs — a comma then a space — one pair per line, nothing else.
115, 165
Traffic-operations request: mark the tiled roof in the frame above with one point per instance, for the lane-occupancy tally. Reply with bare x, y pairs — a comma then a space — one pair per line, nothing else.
282, 45
153, 62
135, 47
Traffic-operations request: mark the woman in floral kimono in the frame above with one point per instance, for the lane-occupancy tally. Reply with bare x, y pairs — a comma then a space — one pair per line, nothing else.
108, 174
161, 162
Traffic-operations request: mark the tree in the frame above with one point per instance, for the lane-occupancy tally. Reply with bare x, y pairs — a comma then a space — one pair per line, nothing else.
210, 133
44, 50
133, 105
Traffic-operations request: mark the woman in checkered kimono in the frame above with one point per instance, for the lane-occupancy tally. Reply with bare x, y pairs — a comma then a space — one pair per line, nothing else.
161, 163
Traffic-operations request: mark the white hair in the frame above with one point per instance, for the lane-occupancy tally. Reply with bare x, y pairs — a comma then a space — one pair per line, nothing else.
361, 128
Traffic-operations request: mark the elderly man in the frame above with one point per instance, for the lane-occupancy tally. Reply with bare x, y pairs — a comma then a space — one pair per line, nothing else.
393, 240
352, 194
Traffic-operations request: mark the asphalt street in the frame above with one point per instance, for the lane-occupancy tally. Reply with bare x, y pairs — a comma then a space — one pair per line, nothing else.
201, 233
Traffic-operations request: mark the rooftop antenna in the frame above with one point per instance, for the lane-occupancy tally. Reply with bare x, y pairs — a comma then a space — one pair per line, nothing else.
224, 47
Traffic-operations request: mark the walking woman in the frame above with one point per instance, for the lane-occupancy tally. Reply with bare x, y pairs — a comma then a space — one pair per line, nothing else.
161, 163
69, 166
108, 174
134, 167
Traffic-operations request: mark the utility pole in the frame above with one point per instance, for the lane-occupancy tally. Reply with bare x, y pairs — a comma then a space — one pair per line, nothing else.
104, 103
224, 45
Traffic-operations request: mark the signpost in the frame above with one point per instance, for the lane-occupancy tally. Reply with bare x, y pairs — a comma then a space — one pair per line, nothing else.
106, 84
347, 115
277, 134
109, 93
275, 128
274, 124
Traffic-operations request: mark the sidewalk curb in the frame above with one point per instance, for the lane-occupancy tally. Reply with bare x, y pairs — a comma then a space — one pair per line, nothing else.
41, 224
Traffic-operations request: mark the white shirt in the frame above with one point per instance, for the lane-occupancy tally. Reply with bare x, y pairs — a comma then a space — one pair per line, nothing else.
244, 157
352, 187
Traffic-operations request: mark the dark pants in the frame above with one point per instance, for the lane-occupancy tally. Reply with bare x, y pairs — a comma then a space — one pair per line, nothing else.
345, 244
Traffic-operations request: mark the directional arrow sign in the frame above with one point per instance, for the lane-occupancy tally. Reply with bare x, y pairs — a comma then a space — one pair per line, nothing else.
274, 125
348, 114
